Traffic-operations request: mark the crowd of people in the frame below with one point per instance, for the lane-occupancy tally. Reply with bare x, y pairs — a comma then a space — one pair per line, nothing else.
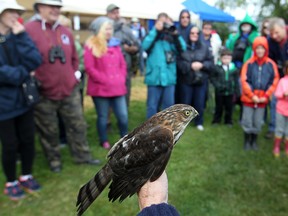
179, 65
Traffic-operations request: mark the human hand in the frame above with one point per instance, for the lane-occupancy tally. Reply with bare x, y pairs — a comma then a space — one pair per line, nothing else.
196, 66
130, 49
262, 100
17, 27
154, 192
32, 73
255, 99
159, 25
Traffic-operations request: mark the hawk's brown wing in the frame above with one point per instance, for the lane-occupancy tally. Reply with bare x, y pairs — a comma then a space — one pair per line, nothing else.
137, 159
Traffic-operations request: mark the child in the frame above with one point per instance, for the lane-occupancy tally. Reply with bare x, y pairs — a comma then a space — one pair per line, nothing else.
281, 130
259, 78
225, 80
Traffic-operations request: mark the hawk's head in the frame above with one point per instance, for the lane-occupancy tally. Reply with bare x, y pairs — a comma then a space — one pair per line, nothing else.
177, 117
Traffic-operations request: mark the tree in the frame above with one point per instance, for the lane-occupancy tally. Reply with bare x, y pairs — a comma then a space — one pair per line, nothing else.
268, 8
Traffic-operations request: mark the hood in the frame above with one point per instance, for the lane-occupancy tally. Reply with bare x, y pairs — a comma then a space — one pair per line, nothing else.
184, 11
248, 19
260, 41
37, 17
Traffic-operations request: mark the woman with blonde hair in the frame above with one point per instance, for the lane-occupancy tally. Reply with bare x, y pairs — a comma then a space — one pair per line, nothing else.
106, 70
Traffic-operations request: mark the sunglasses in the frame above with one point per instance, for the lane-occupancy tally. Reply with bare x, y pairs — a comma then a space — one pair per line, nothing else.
194, 33
185, 17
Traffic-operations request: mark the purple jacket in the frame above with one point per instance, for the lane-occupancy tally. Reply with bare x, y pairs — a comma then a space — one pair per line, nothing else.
107, 74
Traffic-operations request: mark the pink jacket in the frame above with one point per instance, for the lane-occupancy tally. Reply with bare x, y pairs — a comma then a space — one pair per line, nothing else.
282, 102
107, 74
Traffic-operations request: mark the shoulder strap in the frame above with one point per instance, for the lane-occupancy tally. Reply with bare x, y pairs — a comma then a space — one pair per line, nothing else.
153, 43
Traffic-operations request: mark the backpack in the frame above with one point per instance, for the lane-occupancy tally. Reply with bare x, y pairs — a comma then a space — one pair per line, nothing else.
239, 49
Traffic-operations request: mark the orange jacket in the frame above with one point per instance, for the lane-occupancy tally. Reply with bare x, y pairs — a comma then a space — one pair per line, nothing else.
259, 76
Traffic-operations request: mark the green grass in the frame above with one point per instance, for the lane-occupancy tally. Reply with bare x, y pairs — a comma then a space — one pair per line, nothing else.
209, 175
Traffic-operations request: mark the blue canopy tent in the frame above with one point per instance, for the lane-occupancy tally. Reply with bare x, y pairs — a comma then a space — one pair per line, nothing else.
207, 12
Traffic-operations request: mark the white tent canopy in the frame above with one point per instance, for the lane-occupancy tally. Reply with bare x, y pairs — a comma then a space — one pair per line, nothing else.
146, 9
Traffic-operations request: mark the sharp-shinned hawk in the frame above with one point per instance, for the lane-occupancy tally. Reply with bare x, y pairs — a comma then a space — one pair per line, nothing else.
138, 157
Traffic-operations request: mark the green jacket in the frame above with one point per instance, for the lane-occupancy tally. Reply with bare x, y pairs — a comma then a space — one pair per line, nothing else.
253, 34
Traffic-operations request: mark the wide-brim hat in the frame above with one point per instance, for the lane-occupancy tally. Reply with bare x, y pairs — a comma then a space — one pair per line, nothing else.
48, 2
10, 4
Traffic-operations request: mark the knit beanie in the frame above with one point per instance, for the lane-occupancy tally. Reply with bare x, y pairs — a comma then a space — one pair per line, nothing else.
97, 23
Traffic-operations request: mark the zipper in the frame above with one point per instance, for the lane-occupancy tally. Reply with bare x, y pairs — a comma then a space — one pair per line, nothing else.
259, 76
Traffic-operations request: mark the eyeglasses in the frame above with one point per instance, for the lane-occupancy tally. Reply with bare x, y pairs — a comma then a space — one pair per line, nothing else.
194, 33
185, 17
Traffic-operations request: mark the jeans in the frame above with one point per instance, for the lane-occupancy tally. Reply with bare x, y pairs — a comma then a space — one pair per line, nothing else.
119, 106
159, 97
195, 95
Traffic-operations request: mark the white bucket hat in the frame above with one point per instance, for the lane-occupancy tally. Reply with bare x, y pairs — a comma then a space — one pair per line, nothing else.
10, 4
50, 2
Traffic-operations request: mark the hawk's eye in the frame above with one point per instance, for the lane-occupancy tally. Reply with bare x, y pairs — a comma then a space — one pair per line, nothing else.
187, 112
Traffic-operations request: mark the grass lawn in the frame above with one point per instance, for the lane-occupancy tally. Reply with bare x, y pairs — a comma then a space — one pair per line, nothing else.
209, 174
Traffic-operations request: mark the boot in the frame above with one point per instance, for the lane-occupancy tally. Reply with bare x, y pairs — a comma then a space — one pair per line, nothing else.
247, 139
253, 142
276, 150
286, 147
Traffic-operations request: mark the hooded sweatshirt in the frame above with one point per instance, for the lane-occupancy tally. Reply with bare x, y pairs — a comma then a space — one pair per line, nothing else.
184, 31
251, 37
259, 76
57, 79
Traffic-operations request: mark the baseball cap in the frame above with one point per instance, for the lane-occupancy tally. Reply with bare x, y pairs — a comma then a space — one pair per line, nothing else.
111, 7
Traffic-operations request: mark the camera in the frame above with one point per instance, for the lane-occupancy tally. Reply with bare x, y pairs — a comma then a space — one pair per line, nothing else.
57, 52
127, 42
198, 78
168, 27
170, 57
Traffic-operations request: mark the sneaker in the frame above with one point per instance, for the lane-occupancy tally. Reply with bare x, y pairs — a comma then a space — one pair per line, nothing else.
200, 127
269, 135
90, 162
30, 185
14, 191
106, 145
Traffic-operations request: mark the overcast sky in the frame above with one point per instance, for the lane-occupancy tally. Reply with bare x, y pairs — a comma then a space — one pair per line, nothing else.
239, 13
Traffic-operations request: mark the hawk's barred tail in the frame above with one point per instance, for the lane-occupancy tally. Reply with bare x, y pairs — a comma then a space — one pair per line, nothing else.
91, 190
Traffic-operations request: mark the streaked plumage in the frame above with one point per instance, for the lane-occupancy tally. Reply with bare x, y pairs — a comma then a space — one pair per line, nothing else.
139, 156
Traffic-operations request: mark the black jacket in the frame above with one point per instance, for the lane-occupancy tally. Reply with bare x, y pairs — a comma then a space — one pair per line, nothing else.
225, 82
195, 52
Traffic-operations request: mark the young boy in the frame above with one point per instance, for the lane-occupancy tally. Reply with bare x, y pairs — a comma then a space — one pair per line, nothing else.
259, 78
225, 80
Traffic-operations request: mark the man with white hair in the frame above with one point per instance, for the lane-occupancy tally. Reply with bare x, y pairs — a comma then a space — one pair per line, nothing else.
278, 51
